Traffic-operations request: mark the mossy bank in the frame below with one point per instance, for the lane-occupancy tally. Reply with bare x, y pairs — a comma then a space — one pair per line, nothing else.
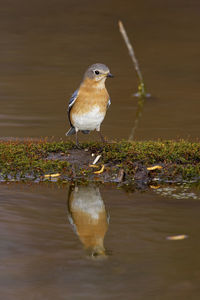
126, 163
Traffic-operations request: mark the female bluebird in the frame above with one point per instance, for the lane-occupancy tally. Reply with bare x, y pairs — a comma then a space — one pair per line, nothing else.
88, 216
89, 103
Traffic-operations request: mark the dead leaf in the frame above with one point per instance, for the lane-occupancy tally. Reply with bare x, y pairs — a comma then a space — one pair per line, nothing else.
51, 175
100, 171
177, 237
93, 166
154, 168
155, 187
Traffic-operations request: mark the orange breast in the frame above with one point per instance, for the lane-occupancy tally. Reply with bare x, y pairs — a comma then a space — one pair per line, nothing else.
88, 97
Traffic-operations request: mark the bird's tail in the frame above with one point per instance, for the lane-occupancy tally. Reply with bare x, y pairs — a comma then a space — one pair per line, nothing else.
71, 131
85, 131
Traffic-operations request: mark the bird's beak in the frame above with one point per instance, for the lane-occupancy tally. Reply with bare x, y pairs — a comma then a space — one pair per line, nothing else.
110, 75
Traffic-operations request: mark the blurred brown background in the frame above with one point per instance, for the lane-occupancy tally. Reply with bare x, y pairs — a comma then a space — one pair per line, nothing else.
46, 46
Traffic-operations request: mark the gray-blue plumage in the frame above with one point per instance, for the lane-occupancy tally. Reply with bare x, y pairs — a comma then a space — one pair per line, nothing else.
109, 103
72, 100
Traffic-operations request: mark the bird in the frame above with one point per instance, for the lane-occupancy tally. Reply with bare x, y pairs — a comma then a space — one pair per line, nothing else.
88, 216
89, 103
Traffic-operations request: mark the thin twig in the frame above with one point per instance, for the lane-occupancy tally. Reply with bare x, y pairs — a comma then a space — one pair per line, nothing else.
141, 87
96, 159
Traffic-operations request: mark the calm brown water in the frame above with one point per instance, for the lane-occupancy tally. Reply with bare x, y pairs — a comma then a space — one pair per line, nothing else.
45, 47
55, 243
44, 256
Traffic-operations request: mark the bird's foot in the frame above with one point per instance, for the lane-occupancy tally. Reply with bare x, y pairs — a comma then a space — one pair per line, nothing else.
102, 138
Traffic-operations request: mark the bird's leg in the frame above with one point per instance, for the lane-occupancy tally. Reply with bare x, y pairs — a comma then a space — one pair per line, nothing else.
77, 142
101, 136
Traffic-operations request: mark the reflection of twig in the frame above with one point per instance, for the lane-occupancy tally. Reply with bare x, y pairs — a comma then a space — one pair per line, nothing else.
141, 87
137, 117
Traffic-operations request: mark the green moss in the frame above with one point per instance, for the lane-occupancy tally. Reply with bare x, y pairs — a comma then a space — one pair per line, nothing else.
179, 159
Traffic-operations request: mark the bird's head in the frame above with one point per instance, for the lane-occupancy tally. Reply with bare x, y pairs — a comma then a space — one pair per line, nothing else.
98, 72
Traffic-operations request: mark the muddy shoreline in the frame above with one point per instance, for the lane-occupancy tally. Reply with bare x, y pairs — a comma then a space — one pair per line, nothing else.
133, 164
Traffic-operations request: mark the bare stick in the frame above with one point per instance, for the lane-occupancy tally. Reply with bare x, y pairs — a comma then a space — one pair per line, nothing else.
141, 87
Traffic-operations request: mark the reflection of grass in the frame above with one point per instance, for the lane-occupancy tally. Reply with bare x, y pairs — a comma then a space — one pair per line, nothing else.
30, 160
176, 192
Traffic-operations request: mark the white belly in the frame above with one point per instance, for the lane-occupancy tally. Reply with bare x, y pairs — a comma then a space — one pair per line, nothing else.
90, 120
88, 200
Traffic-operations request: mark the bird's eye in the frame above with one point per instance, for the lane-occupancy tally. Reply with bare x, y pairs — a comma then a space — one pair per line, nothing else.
96, 72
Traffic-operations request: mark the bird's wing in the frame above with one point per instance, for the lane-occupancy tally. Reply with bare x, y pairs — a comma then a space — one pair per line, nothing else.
109, 103
72, 99
71, 103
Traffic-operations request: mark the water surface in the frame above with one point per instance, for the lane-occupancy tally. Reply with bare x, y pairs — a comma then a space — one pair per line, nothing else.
46, 46
51, 247
45, 256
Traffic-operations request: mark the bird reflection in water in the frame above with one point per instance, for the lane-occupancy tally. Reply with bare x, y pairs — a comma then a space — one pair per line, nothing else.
88, 216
